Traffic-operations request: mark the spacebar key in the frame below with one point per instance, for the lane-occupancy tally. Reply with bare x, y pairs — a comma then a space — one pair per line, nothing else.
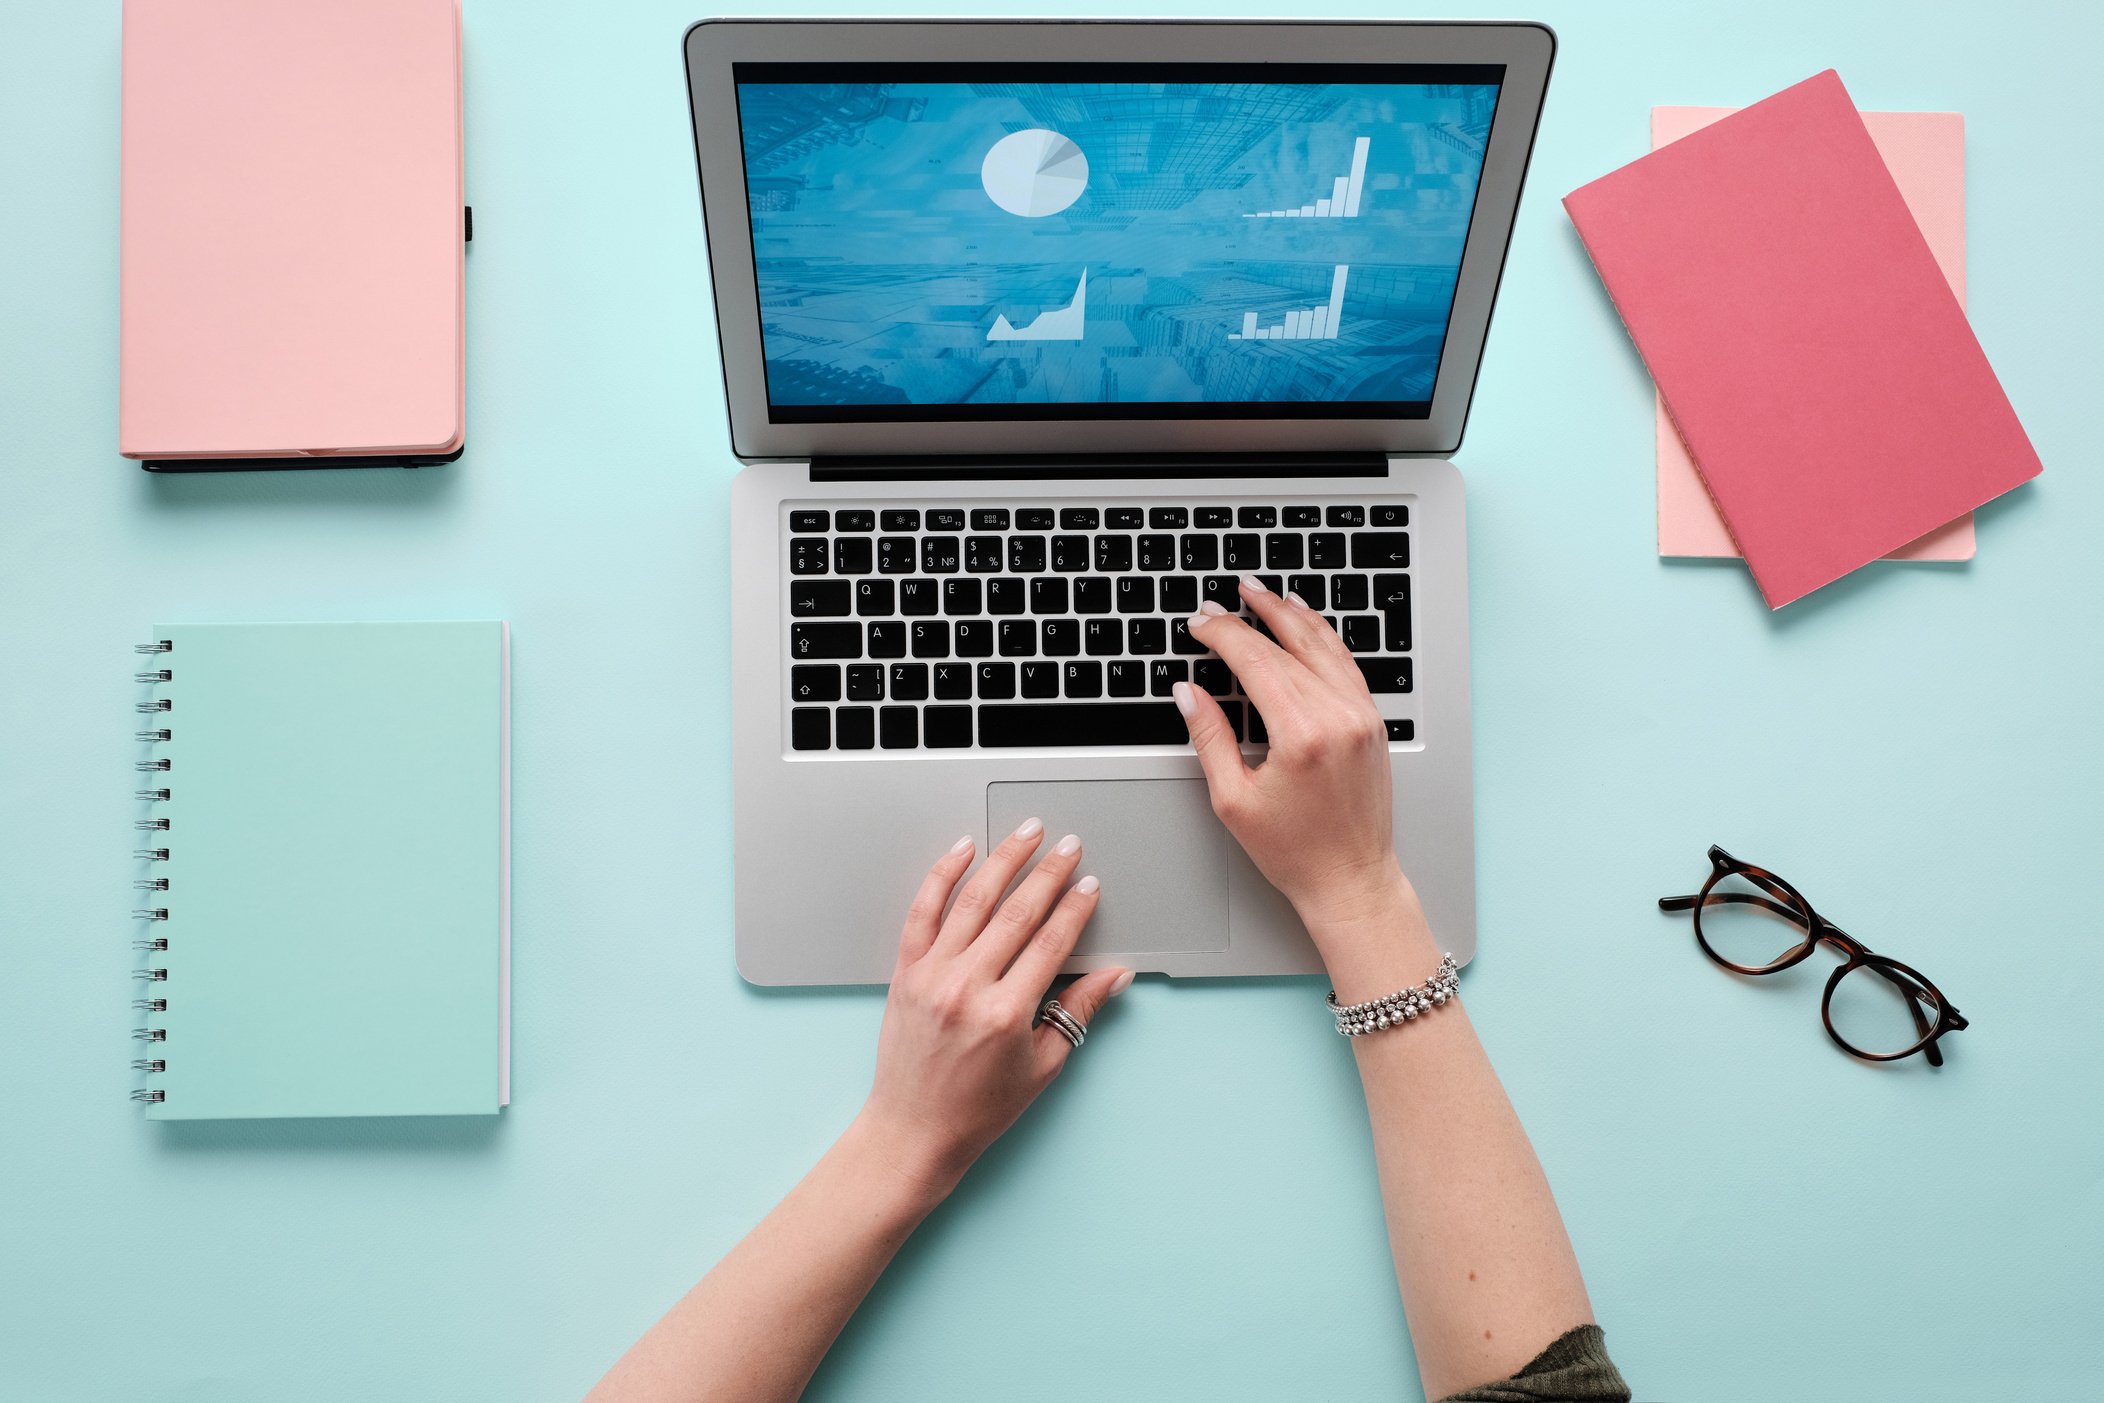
1092, 723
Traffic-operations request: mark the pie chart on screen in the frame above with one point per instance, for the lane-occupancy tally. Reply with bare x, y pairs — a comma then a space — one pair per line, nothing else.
1034, 173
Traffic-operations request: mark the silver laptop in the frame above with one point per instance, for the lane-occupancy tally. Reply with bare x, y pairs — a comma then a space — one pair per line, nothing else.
1036, 334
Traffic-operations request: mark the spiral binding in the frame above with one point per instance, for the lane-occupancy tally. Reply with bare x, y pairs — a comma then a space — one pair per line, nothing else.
159, 765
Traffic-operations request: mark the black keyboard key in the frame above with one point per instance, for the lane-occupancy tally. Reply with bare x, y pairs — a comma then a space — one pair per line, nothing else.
1233, 710
900, 519
1349, 592
1018, 638
1380, 550
1391, 592
1385, 674
996, 681
1034, 519
808, 556
1402, 730
1039, 679
858, 520
1242, 552
1326, 550
1084, 679
1180, 594
1274, 583
852, 555
1395, 626
1201, 553
990, 519
1157, 552
1258, 735
1127, 677
1283, 551
952, 681
887, 639
982, 554
1361, 633
1390, 514
1311, 591
1223, 590
1061, 638
1070, 553
1168, 518
939, 555
855, 727
1214, 675
909, 681
946, 519
1164, 673
1180, 639
814, 682
810, 728
1092, 595
975, 638
1026, 554
1212, 518
1345, 516
919, 597
960, 597
947, 727
817, 599
1113, 554
1006, 595
1106, 723
897, 555
1103, 638
810, 520
1136, 594
1147, 636
810, 642
1303, 516
1256, 518
875, 598
1078, 518
899, 727
931, 639
865, 682
1048, 595
1124, 518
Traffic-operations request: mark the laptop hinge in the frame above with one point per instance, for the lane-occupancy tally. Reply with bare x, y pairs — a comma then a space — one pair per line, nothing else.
1084, 467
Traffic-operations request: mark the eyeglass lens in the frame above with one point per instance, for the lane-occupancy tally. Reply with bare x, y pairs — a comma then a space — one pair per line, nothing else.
1880, 1011
1748, 924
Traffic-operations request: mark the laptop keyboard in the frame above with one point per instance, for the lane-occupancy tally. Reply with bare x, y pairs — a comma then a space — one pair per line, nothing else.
992, 625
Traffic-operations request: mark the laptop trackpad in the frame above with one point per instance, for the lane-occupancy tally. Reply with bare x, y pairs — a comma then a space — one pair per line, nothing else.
1161, 855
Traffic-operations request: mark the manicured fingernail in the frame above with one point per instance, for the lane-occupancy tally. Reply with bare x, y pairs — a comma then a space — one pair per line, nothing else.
1212, 609
1031, 827
1087, 886
962, 845
1254, 585
1121, 984
1185, 702
1297, 600
1068, 846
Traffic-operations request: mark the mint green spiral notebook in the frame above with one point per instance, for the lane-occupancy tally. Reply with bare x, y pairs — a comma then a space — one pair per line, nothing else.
324, 921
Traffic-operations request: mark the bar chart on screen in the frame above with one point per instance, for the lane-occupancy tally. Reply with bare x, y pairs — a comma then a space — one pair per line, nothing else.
1342, 202
1302, 324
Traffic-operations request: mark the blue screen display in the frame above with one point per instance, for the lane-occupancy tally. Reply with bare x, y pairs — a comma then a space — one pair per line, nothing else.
1107, 249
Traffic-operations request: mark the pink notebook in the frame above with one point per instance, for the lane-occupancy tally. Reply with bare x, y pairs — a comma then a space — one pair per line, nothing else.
292, 232
1805, 342
1925, 151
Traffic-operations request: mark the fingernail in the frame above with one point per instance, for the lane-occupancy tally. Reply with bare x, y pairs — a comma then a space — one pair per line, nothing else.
1254, 585
1185, 702
1212, 609
962, 845
1031, 827
1302, 603
1087, 886
1121, 984
1068, 846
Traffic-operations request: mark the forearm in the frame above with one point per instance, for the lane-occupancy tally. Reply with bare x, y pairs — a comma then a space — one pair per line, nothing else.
1487, 1273
755, 1328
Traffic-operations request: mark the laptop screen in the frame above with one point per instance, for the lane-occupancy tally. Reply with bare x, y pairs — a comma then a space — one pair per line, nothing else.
1108, 241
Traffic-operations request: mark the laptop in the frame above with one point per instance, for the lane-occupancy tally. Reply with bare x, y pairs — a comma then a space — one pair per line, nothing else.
1035, 335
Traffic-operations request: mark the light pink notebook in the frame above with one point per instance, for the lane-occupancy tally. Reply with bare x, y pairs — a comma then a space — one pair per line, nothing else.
1925, 151
292, 232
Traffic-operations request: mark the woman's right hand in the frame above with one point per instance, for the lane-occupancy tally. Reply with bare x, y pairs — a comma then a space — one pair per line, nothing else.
1317, 816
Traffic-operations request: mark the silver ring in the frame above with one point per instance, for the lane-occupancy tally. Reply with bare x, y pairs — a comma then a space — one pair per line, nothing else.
1070, 1027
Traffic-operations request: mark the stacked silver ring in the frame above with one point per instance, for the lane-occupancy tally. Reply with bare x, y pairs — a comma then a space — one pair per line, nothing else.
1070, 1027
1357, 1020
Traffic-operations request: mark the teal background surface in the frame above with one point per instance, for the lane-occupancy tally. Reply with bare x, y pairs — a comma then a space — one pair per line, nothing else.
1192, 1211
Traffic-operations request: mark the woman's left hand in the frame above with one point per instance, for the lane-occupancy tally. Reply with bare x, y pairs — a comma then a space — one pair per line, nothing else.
959, 1058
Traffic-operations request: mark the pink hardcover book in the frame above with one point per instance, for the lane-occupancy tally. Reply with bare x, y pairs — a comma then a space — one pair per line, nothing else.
1807, 346
292, 233
1925, 151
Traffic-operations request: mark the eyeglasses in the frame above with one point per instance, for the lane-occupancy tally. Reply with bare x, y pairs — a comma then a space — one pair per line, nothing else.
1751, 921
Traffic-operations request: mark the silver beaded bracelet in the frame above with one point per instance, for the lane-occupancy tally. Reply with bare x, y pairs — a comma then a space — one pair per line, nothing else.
1357, 1020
